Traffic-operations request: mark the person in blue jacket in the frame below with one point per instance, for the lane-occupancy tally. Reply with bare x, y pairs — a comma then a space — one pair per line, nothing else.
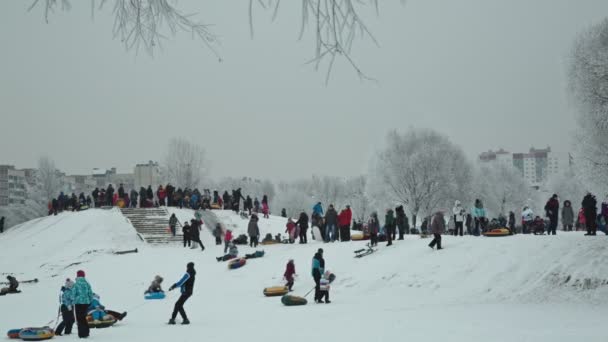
186, 285
66, 299
318, 209
318, 268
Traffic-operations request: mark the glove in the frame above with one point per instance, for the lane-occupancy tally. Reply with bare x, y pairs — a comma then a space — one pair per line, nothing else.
172, 288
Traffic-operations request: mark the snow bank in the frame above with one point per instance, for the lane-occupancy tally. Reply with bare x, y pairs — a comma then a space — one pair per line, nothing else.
493, 289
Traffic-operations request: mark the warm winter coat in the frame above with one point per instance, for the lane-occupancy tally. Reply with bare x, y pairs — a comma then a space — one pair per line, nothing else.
303, 221
252, 228
389, 219
173, 220
67, 296
605, 208
291, 229
527, 215
318, 209
478, 212
552, 208
458, 212
589, 205
187, 230
373, 225
155, 286
186, 283
228, 236
331, 217
343, 219
318, 265
567, 214
233, 250
82, 292
438, 224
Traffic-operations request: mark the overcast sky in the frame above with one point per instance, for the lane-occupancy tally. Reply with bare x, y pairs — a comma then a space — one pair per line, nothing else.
487, 73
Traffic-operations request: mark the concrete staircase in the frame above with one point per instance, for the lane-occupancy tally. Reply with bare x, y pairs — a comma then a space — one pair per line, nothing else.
151, 224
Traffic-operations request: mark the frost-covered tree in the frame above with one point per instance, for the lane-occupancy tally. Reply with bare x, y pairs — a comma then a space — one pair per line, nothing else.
569, 185
501, 189
589, 88
249, 186
144, 24
48, 178
422, 169
185, 164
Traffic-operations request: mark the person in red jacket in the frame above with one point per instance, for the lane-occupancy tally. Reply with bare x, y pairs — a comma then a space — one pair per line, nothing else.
227, 240
161, 194
344, 219
290, 271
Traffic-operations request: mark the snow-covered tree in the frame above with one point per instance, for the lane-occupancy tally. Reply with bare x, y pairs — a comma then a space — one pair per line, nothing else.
144, 24
422, 169
48, 178
185, 164
589, 88
501, 188
568, 185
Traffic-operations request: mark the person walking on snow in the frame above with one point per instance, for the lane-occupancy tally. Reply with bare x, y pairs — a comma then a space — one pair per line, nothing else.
187, 231
318, 268
389, 226
186, 285
173, 223
66, 300
459, 216
83, 297
290, 229
589, 205
402, 221
437, 228
479, 215
195, 233
289, 274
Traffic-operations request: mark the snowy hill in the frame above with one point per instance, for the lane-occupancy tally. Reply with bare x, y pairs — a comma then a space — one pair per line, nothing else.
527, 288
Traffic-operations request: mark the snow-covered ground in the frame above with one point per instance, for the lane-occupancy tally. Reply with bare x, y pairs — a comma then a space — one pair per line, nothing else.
520, 288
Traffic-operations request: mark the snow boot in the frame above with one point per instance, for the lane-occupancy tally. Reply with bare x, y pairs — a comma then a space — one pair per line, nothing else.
122, 315
172, 321
186, 322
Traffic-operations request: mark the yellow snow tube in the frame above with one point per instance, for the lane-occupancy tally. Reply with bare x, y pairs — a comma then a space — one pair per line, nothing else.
275, 291
498, 232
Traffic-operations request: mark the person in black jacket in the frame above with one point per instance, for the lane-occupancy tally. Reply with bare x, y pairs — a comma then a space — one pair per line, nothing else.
95, 196
2, 224
303, 224
186, 285
589, 205
186, 230
121, 191
195, 233
109, 195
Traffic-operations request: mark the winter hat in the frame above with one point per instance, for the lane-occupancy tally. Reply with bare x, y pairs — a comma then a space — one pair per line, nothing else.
69, 283
320, 251
80, 273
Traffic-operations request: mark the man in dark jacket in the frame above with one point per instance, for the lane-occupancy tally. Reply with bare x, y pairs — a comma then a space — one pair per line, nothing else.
253, 230
589, 205
150, 193
552, 211
173, 223
133, 197
186, 285
2, 224
248, 204
402, 222
109, 195
331, 224
186, 231
121, 191
302, 223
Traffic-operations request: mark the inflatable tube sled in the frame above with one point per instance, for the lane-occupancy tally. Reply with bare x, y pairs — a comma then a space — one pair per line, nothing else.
155, 295
290, 300
36, 334
498, 232
107, 321
236, 263
13, 333
269, 242
358, 237
276, 291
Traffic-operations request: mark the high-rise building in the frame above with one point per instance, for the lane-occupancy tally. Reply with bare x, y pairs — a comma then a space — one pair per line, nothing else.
147, 174
536, 166
12, 185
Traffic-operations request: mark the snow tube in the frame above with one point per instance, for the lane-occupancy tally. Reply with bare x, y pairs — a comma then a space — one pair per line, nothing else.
13, 333
155, 295
236, 263
36, 334
275, 291
269, 242
358, 237
290, 300
121, 203
107, 321
215, 206
498, 232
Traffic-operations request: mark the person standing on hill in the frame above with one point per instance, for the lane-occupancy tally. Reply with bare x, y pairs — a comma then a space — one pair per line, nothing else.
318, 209
318, 268
121, 191
511, 222
552, 212
331, 224
401, 221
186, 285
253, 231
459, 216
567, 216
373, 226
589, 205
344, 220
83, 296
389, 225
110, 195
227, 240
248, 204
437, 228
217, 232
2, 224
302, 224
479, 215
